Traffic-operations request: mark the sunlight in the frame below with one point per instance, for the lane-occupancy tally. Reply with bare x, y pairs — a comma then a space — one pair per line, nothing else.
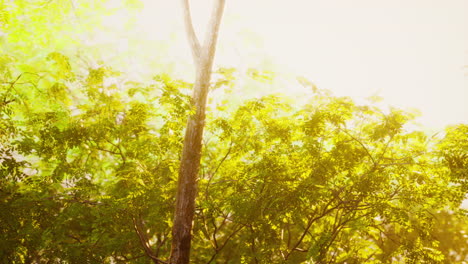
116, 146
411, 54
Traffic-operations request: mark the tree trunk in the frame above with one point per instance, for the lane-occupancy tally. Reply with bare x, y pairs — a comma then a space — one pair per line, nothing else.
191, 153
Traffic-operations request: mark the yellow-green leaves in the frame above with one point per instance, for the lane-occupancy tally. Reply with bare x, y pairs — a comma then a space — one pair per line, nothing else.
89, 160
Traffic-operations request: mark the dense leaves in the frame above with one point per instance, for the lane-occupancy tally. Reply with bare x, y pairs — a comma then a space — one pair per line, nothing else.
89, 167
89, 160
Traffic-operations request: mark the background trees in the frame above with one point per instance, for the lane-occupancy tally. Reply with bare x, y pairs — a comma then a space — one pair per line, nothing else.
89, 161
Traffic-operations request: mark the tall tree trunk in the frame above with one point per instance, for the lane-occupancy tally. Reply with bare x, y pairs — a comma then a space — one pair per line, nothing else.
186, 190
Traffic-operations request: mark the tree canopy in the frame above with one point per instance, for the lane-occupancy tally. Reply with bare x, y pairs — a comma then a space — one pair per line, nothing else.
89, 161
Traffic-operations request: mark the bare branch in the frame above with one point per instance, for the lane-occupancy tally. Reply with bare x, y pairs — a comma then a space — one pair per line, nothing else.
209, 45
192, 37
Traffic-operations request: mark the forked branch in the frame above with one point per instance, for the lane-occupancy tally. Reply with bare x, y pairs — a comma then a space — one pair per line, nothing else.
209, 45
191, 152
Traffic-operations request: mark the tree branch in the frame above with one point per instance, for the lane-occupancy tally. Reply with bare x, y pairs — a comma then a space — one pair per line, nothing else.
192, 37
218, 249
374, 162
137, 225
209, 45
312, 220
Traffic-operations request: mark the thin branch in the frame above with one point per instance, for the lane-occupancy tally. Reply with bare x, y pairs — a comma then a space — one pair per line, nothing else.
192, 37
75, 238
161, 243
144, 242
217, 168
215, 241
230, 236
12, 84
121, 154
218, 249
223, 159
362, 145
209, 45
385, 148
312, 220
12, 87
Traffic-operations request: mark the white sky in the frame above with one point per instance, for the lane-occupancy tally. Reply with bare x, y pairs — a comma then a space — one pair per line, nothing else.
411, 52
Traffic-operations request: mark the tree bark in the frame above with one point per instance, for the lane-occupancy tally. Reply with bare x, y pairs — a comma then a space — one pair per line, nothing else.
190, 162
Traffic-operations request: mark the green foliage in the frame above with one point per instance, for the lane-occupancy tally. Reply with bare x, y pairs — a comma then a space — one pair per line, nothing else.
88, 175
89, 161
333, 182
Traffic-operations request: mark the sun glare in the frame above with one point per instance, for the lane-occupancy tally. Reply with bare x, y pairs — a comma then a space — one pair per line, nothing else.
410, 53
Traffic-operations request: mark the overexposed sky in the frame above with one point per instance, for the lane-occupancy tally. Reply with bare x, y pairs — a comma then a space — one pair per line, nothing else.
411, 52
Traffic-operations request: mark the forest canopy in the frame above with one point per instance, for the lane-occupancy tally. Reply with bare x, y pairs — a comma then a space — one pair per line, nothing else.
89, 160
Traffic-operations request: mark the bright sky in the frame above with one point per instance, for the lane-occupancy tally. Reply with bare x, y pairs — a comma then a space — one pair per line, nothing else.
411, 52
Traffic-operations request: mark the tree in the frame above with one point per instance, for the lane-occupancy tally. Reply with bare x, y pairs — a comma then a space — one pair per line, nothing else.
88, 171
190, 162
